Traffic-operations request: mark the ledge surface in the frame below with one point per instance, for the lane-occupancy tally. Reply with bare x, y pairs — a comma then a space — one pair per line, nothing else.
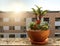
25, 41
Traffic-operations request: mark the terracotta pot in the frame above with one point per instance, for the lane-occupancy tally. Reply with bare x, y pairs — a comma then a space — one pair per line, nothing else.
39, 43
38, 36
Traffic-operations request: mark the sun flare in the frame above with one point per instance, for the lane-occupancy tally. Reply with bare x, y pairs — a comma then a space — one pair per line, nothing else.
17, 7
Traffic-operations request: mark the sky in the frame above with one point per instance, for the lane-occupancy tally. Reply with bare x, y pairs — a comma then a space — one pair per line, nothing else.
26, 5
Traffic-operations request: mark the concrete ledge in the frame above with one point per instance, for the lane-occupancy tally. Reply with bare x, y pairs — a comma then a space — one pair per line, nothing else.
26, 42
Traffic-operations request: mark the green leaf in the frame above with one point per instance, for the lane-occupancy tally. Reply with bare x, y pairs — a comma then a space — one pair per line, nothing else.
44, 12
34, 11
38, 10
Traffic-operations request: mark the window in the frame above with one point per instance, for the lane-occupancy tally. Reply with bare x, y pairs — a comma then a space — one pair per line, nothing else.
57, 22
5, 19
57, 19
12, 36
5, 27
57, 34
1, 28
1, 19
23, 28
17, 19
23, 35
17, 27
53, 11
46, 19
11, 28
33, 19
57, 27
1, 36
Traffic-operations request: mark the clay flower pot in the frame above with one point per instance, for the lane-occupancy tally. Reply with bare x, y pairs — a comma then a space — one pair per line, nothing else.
38, 36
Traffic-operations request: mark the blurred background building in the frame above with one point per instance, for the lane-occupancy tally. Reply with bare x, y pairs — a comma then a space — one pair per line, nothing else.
15, 25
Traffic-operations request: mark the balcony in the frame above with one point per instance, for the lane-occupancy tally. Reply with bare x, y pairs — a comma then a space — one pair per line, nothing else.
12, 31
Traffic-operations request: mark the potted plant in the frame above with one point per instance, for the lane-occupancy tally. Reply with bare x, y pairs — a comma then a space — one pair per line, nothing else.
39, 31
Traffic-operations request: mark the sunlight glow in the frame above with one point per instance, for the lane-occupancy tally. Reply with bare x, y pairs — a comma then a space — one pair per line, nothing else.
17, 7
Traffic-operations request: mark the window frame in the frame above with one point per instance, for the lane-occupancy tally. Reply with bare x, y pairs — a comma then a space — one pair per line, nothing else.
23, 35
12, 36
1, 36
11, 28
6, 19
5, 27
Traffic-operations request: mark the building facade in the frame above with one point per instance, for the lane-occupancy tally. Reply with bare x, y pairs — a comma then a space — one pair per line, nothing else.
14, 25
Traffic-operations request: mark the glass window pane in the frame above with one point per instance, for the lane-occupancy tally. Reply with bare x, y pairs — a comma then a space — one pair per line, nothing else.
11, 28
12, 36
57, 27
5, 19
57, 34
33, 19
1, 36
23, 35
5, 27
57, 19
46, 19
23, 28
17, 19
17, 28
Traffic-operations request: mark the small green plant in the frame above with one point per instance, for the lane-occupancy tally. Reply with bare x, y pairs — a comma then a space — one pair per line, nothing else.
42, 26
38, 25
